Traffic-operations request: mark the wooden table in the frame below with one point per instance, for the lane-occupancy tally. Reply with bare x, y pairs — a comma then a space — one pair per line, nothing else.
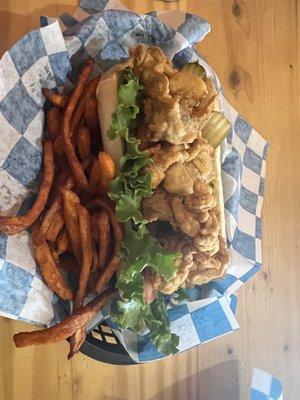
253, 49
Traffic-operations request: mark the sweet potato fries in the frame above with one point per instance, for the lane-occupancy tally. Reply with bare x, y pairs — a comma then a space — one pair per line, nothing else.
73, 227
14, 225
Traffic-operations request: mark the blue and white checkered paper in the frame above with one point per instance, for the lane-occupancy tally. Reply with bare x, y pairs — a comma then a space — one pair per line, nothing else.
265, 386
105, 30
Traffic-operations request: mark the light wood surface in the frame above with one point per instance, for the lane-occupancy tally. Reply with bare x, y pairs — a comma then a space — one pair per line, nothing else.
253, 47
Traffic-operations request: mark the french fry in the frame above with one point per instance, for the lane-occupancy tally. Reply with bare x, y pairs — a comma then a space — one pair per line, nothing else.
91, 114
76, 341
93, 278
48, 267
58, 146
94, 181
70, 202
95, 260
55, 227
53, 121
95, 227
118, 235
88, 92
100, 229
86, 251
14, 225
107, 168
57, 99
84, 143
86, 247
63, 243
65, 181
77, 120
74, 163
68, 326
104, 238
54, 253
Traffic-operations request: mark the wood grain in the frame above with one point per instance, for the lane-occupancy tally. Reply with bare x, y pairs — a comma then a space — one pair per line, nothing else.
253, 47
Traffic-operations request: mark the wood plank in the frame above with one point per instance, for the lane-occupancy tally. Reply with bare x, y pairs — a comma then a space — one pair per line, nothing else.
253, 48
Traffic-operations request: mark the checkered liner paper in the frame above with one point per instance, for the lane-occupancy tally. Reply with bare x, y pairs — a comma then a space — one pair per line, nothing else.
44, 58
265, 386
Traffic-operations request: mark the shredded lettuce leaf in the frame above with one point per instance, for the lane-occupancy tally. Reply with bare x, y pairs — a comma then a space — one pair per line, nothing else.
139, 247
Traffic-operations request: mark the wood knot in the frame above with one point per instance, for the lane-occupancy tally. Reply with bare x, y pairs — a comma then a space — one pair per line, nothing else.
265, 275
234, 79
230, 350
285, 347
236, 9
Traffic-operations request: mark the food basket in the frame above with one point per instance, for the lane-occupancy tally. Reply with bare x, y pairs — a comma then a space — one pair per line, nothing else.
103, 345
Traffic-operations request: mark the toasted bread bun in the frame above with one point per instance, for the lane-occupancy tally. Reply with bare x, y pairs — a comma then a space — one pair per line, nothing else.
107, 96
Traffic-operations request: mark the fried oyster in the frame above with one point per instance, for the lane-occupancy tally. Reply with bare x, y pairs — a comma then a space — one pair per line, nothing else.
177, 105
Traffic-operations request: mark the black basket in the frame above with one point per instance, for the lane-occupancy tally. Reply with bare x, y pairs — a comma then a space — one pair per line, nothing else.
102, 344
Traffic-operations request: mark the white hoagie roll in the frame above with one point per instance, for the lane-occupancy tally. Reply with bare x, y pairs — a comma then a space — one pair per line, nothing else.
218, 186
107, 96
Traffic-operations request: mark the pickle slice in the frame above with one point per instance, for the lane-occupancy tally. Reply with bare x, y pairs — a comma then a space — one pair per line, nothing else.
216, 129
195, 69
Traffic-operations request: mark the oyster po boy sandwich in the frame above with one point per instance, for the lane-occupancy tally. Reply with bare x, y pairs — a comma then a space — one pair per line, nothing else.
162, 128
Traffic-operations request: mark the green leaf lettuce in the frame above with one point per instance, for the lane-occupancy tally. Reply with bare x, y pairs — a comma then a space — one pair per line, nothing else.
139, 248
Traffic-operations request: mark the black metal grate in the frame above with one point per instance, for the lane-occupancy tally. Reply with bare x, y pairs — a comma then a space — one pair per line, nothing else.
103, 345
105, 334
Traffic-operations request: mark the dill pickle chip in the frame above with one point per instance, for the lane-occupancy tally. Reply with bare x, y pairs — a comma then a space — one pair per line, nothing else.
216, 129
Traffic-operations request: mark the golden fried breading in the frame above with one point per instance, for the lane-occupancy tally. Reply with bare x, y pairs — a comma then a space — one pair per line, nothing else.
177, 104
157, 207
181, 176
162, 160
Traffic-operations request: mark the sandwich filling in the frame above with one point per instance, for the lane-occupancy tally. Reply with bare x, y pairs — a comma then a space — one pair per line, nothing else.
177, 105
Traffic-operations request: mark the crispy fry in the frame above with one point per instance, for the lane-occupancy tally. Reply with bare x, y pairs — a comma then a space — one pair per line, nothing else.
84, 143
55, 227
88, 92
91, 114
67, 327
95, 260
93, 278
65, 181
63, 243
54, 253
104, 238
58, 146
77, 118
95, 227
57, 99
100, 229
74, 163
14, 225
94, 180
86, 251
48, 266
118, 235
86, 246
70, 202
53, 121
76, 341
107, 168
